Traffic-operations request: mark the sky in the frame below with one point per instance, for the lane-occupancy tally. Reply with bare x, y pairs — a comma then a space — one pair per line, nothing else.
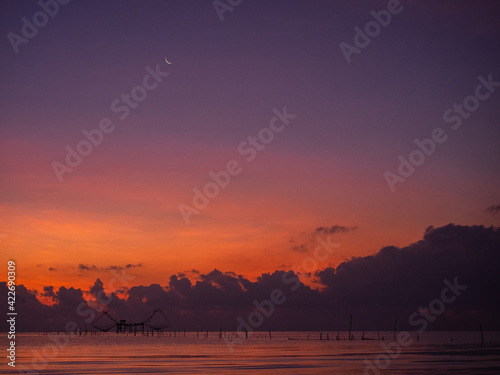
332, 128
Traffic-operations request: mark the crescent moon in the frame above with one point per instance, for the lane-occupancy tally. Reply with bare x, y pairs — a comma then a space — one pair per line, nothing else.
167, 61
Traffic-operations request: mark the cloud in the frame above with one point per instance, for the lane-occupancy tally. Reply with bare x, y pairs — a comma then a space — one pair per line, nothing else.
92, 267
85, 267
335, 229
399, 280
189, 273
48, 291
308, 240
130, 266
302, 248
493, 209
392, 283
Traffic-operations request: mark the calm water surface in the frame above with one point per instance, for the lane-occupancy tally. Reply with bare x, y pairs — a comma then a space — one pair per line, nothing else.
112, 354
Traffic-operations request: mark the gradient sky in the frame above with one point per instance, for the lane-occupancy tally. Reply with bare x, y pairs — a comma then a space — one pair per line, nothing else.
120, 205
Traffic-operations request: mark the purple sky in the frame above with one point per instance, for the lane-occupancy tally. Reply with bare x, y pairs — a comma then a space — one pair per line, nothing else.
228, 79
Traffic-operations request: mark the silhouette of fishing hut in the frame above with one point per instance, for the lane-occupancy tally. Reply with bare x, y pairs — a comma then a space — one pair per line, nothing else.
156, 320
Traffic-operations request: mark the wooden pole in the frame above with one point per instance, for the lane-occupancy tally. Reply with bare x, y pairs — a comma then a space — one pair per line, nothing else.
395, 326
350, 327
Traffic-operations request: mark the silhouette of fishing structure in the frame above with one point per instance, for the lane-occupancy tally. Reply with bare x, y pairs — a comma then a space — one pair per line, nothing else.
156, 320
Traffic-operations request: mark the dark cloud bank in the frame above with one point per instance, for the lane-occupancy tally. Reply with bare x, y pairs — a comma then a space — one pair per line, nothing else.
393, 283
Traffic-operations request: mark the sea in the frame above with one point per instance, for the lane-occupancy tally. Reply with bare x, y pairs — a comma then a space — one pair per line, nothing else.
282, 353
